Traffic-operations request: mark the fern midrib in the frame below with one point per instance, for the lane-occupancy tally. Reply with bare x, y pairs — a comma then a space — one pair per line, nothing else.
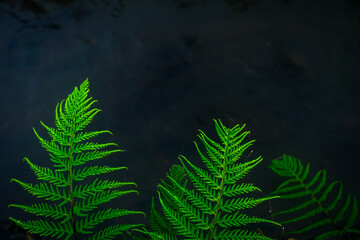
338, 228
221, 185
72, 198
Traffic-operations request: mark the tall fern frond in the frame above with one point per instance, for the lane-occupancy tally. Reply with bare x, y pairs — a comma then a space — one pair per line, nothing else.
71, 203
207, 203
316, 206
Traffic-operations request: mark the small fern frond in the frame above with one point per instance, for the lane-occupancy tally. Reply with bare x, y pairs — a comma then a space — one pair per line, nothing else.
314, 195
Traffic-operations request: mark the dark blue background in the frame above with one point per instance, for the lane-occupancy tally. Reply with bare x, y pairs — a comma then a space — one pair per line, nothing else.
161, 70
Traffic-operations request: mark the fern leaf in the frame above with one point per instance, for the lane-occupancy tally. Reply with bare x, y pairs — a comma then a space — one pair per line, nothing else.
328, 235
179, 222
46, 228
91, 146
239, 234
52, 147
157, 221
237, 220
98, 198
238, 171
82, 136
160, 236
74, 212
233, 190
241, 203
100, 216
98, 186
81, 174
43, 190
86, 119
314, 195
111, 232
48, 175
353, 215
93, 155
312, 226
192, 213
58, 136
340, 215
212, 200
204, 176
196, 199
333, 204
44, 209
61, 122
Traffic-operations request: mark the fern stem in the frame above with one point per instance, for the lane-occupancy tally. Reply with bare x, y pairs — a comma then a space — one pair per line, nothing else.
72, 198
221, 186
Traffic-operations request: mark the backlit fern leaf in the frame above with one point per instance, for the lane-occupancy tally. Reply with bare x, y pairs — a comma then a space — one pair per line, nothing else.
313, 194
210, 207
158, 221
73, 204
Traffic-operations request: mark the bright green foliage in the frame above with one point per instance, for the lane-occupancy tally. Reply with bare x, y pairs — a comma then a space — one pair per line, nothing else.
315, 204
71, 205
212, 207
159, 223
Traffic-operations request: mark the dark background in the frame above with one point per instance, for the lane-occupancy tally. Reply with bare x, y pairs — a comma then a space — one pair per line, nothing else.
161, 69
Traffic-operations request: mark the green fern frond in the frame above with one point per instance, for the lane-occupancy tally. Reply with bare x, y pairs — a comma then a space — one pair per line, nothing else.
47, 191
161, 236
81, 174
82, 158
47, 228
158, 222
46, 174
74, 204
314, 195
94, 219
109, 233
210, 207
90, 203
45, 209
82, 191
239, 234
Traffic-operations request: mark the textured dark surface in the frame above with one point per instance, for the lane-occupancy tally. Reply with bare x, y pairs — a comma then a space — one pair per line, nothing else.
163, 69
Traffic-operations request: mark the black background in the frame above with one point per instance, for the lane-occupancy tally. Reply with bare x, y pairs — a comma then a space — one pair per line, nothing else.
162, 69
